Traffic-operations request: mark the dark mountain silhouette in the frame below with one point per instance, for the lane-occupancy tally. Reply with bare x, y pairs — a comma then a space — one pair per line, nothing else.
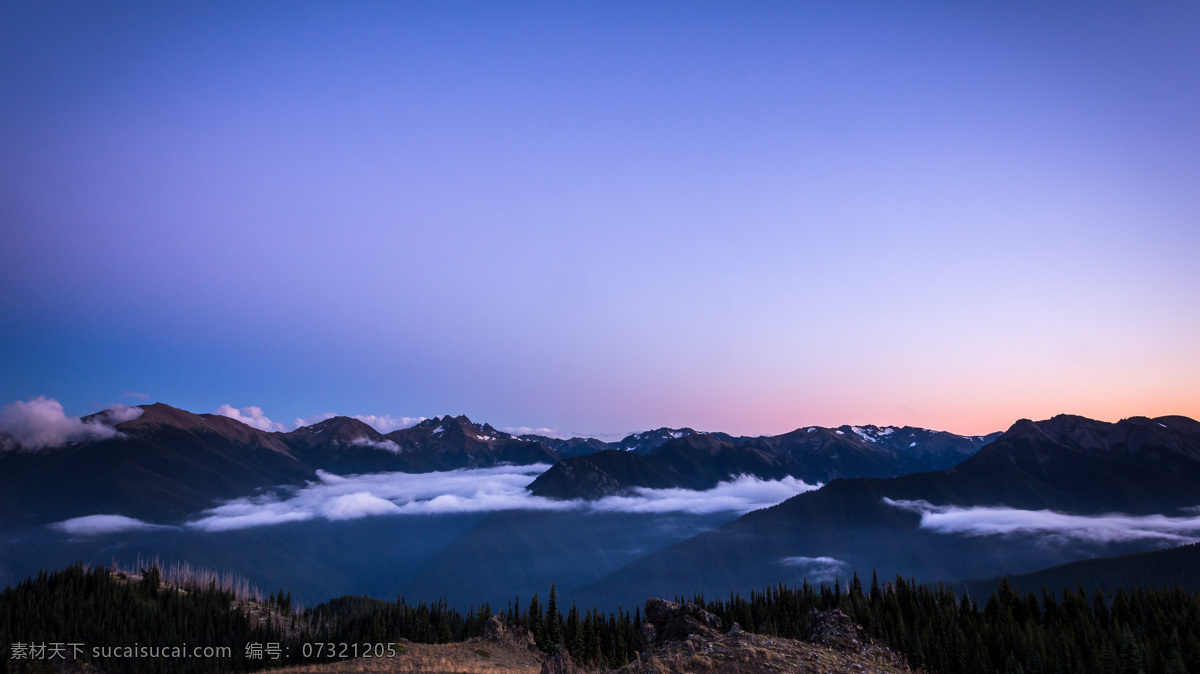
1068, 464
570, 447
701, 460
648, 441
601, 474
343, 445
639, 443
446, 443
168, 464
1154, 569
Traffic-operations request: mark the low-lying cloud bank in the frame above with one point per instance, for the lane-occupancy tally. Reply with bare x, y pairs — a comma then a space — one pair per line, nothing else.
41, 423
96, 525
741, 495
1003, 521
334, 497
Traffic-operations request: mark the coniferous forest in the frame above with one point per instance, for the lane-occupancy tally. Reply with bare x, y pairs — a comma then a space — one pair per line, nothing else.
1140, 631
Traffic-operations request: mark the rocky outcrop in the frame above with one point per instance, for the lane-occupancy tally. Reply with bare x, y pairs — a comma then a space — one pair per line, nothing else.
496, 631
558, 661
686, 638
668, 621
838, 631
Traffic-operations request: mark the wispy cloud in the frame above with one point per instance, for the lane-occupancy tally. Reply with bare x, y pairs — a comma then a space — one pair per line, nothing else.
118, 413
1003, 521
97, 525
528, 430
251, 416
386, 423
386, 445
817, 569
41, 423
314, 419
338, 497
135, 394
335, 497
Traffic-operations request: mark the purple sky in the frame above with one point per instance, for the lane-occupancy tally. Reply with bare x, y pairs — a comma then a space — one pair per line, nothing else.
604, 217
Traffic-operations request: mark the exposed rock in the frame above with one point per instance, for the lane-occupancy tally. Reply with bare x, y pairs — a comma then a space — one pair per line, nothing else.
558, 661
836, 630
495, 630
670, 621
686, 638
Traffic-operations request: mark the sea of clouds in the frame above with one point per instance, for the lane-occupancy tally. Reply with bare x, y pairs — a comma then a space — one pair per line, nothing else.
1051, 525
334, 498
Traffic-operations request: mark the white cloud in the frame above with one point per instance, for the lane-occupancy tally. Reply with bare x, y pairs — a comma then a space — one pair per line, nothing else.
526, 430
1004, 521
741, 495
97, 525
251, 416
118, 413
386, 445
387, 423
40, 423
314, 419
335, 497
817, 569
358, 504
135, 394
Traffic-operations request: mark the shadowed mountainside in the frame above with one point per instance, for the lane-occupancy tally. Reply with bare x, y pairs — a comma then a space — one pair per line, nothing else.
1067, 464
169, 463
1154, 569
814, 455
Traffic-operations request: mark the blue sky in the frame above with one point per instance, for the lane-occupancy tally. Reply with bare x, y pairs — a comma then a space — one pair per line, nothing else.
604, 217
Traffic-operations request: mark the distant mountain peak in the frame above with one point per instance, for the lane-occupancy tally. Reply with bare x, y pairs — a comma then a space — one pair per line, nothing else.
160, 415
334, 431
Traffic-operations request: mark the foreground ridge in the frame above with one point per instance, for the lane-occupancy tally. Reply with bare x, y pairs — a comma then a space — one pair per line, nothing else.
687, 638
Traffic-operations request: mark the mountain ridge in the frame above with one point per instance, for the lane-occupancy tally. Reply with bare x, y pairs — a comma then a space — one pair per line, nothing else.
1082, 468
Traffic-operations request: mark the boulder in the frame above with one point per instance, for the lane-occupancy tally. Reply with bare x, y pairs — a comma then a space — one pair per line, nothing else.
670, 621
558, 661
495, 630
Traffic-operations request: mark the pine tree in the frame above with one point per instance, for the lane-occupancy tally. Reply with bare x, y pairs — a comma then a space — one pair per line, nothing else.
533, 622
553, 620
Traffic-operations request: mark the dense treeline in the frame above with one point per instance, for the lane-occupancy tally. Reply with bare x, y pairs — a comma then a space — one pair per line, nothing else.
1142, 632
1136, 632
73, 612
591, 636
99, 608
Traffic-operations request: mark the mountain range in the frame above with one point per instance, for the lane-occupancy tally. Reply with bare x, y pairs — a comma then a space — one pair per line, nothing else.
925, 504
168, 463
699, 460
1043, 493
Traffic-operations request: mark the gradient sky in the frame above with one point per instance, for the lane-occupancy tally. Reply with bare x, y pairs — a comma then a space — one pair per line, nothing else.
604, 217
